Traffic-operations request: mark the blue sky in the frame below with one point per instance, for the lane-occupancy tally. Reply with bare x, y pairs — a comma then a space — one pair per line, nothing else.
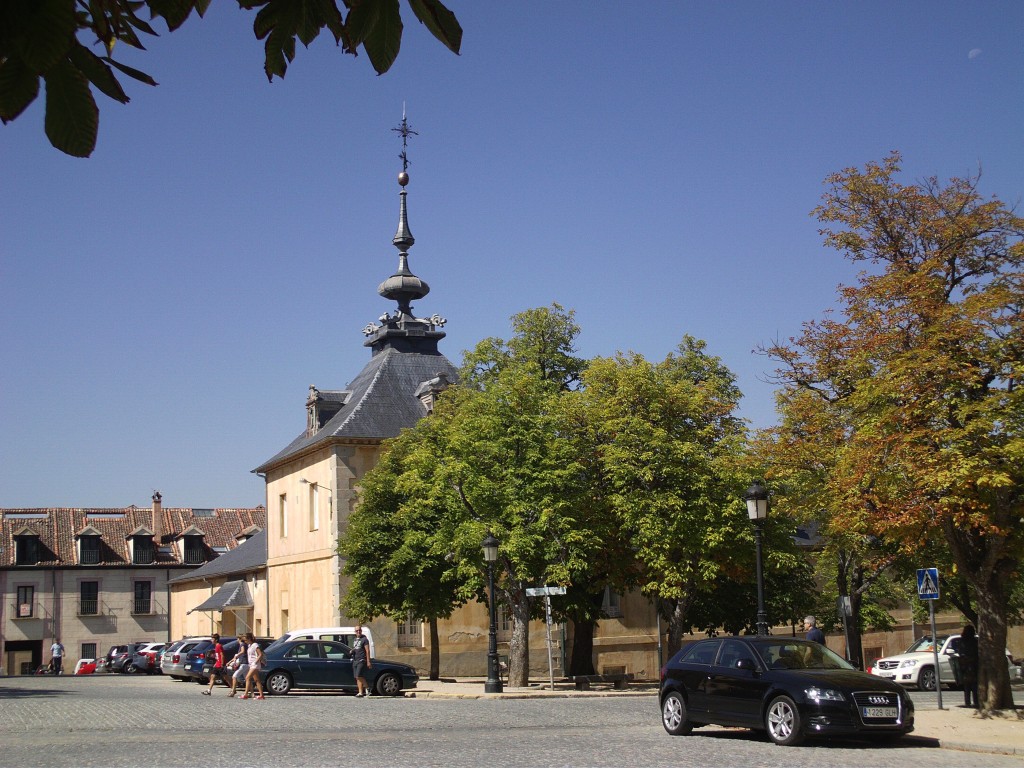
165, 304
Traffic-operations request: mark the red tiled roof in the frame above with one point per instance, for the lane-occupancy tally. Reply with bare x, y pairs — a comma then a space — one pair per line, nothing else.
57, 527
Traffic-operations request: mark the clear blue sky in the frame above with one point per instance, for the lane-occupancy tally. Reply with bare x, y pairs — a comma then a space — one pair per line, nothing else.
165, 304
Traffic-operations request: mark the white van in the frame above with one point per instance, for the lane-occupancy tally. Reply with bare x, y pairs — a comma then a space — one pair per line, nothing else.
340, 634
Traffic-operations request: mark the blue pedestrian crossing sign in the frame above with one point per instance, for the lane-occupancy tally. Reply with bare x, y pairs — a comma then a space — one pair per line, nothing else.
928, 583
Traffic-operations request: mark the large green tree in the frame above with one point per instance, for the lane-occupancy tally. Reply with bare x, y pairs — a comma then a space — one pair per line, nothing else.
68, 46
398, 564
925, 362
670, 442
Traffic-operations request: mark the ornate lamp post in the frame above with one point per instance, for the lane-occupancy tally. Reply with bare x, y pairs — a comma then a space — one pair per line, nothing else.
493, 684
757, 511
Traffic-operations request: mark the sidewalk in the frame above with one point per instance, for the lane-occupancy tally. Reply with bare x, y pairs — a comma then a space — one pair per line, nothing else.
950, 728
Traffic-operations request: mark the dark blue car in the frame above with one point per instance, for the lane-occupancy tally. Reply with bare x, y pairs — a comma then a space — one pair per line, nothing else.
326, 664
196, 660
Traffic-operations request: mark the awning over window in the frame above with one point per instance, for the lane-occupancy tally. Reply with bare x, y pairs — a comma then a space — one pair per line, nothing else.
234, 594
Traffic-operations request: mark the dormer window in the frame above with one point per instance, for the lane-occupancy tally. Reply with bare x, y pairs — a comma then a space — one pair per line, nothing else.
193, 546
89, 550
141, 546
26, 547
88, 542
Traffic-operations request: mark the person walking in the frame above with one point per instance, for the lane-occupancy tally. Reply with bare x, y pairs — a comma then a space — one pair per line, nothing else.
968, 658
240, 662
56, 656
361, 662
256, 659
813, 633
217, 668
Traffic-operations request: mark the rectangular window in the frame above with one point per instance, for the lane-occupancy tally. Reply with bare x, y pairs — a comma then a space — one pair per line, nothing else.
26, 606
410, 633
611, 605
143, 551
26, 550
89, 550
195, 550
314, 507
282, 512
88, 651
504, 623
89, 598
143, 597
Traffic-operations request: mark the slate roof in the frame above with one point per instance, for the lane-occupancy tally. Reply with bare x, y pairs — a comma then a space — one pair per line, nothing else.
248, 556
233, 594
383, 401
58, 526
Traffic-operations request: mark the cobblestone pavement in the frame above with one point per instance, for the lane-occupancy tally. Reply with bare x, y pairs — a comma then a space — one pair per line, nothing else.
152, 721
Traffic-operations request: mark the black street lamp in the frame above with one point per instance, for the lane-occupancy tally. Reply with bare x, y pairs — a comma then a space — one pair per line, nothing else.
493, 684
757, 510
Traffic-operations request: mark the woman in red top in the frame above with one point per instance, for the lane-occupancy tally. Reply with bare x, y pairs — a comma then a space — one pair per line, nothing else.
218, 664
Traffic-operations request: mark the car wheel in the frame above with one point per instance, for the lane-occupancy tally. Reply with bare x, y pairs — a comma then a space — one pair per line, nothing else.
926, 679
782, 721
673, 715
388, 684
279, 683
130, 669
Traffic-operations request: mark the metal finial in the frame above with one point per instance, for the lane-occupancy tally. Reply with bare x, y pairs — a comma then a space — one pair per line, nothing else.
405, 131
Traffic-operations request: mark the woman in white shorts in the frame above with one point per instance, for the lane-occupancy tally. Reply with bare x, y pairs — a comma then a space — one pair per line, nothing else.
255, 665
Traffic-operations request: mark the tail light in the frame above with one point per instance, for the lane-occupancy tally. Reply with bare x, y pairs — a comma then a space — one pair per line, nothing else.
177, 659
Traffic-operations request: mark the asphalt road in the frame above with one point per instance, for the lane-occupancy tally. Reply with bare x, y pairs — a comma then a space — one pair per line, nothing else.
155, 722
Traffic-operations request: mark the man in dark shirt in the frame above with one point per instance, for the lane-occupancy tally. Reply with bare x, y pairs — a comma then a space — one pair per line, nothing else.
813, 633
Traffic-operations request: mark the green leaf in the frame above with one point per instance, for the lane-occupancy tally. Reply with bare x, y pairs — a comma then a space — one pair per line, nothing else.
383, 38
72, 118
174, 12
19, 87
142, 77
99, 74
42, 32
440, 21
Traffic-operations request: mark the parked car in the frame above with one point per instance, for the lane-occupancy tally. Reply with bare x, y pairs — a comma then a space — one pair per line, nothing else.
789, 687
344, 635
147, 658
119, 657
195, 659
174, 658
916, 667
325, 664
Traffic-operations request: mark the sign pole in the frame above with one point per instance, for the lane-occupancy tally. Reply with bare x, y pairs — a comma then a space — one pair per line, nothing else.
935, 652
546, 593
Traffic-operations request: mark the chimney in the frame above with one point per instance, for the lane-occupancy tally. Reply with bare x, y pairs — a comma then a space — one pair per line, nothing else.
158, 518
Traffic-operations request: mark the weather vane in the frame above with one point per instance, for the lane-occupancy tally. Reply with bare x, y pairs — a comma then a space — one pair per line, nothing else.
405, 131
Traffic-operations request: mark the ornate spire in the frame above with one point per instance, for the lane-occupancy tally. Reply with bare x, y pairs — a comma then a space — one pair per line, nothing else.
403, 286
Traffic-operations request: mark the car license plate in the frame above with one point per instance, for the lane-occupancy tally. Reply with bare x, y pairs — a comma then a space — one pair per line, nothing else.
879, 712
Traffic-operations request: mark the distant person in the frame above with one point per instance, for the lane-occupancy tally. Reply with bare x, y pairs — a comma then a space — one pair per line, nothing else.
217, 670
56, 656
241, 665
256, 660
968, 658
361, 661
813, 633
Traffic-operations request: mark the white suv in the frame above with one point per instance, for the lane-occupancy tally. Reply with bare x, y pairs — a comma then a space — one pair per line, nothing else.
916, 667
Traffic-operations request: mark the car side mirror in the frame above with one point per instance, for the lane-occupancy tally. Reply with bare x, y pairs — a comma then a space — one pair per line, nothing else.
746, 664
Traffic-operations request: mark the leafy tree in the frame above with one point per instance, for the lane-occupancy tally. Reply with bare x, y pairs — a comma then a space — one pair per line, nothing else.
52, 40
398, 564
925, 364
669, 433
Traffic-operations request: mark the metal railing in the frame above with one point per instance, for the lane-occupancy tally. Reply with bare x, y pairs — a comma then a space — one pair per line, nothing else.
87, 607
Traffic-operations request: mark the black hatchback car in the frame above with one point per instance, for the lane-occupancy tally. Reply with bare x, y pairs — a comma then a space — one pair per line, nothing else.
789, 687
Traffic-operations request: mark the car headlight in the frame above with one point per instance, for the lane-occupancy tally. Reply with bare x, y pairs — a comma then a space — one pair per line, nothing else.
909, 663
819, 695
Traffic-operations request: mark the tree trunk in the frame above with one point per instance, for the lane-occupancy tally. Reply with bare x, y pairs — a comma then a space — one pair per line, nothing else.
519, 647
994, 690
435, 650
676, 625
582, 660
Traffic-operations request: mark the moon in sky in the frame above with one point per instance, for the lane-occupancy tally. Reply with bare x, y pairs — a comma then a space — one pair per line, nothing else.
974, 53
